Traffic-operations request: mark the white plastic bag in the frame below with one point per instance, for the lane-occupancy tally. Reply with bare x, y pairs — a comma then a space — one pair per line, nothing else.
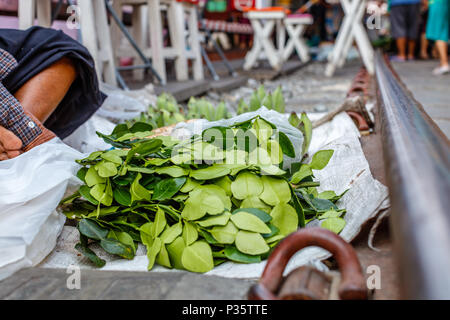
84, 138
121, 105
31, 186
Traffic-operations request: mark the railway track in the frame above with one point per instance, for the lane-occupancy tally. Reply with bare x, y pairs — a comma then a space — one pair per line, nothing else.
416, 167
417, 162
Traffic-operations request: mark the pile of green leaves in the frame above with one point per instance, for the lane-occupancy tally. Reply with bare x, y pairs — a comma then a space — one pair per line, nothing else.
167, 111
164, 113
197, 203
303, 124
260, 97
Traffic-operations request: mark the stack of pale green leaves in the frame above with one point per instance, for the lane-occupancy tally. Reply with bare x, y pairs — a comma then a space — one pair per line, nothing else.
164, 113
197, 203
167, 111
261, 97
204, 109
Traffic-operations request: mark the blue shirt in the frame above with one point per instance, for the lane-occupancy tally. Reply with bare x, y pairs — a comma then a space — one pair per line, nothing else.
400, 2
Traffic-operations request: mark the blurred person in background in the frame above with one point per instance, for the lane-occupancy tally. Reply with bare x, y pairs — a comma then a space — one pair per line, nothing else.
438, 31
423, 26
405, 20
317, 32
318, 11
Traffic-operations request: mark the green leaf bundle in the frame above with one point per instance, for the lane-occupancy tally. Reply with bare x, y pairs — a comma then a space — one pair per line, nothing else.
220, 196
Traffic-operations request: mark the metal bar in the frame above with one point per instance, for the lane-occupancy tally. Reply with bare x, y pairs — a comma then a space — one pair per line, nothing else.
224, 58
133, 67
121, 81
57, 9
209, 64
131, 40
216, 46
417, 157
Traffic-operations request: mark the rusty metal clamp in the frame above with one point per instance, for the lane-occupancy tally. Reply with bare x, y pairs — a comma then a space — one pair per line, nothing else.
361, 122
307, 282
360, 84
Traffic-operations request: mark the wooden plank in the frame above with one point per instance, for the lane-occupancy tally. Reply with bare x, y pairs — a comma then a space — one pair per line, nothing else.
351, 29
115, 32
26, 13
44, 13
156, 41
40, 283
194, 41
175, 17
139, 33
105, 52
87, 23
265, 71
228, 83
183, 90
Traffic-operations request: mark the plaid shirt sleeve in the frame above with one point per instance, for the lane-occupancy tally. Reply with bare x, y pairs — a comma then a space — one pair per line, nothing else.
12, 115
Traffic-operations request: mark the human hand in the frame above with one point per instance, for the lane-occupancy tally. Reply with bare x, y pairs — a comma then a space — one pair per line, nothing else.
10, 144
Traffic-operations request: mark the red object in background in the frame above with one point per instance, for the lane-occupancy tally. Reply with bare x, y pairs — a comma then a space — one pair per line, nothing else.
13, 5
286, 11
190, 1
9, 5
240, 4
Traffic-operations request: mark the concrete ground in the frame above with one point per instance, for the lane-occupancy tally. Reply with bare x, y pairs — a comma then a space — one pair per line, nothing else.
51, 284
306, 89
431, 91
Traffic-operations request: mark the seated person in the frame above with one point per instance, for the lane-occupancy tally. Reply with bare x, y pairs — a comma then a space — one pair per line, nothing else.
48, 88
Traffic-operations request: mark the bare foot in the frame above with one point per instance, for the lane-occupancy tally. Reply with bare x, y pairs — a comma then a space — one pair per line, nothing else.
10, 145
424, 56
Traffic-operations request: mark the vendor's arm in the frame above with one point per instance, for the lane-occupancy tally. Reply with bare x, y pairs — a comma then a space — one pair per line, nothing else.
24, 113
17, 130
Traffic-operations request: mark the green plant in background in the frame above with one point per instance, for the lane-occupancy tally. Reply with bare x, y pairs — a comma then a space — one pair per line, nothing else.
305, 126
384, 43
260, 97
167, 111
204, 109
222, 196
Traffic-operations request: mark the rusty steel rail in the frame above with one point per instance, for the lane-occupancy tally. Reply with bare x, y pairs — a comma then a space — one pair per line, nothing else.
417, 158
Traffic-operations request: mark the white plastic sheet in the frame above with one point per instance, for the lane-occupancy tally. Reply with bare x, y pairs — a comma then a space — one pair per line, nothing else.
84, 138
348, 169
31, 186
